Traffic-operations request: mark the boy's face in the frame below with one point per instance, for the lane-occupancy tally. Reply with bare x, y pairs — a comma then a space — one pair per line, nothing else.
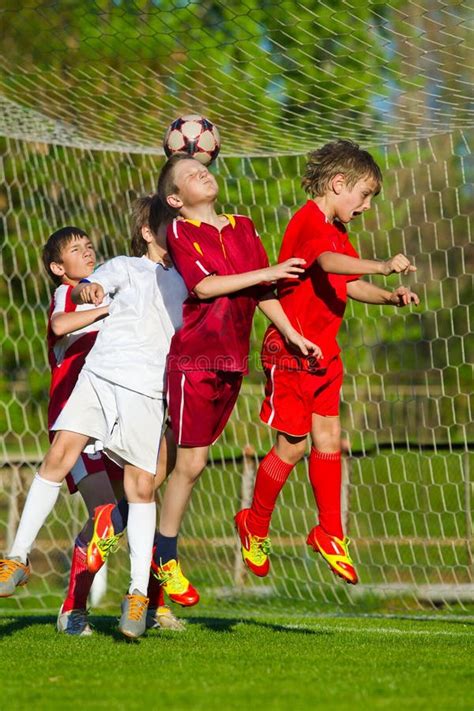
351, 202
77, 260
196, 185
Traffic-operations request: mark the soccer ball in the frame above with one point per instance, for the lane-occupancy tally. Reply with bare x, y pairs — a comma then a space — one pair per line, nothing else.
194, 135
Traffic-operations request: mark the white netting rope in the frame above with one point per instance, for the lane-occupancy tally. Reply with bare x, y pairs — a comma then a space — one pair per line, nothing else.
275, 81
406, 404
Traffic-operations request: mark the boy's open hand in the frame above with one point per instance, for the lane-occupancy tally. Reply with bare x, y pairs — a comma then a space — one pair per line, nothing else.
307, 348
92, 294
290, 269
398, 264
403, 296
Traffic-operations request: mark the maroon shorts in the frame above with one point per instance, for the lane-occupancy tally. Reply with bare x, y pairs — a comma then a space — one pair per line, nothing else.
200, 403
293, 396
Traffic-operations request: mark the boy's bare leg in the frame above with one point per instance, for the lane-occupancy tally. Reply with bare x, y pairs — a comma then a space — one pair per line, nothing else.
290, 449
190, 462
326, 433
62, 455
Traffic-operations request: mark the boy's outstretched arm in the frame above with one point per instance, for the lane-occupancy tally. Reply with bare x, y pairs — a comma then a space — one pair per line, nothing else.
65, 322
335, 263
215, 285
368, 293
273, 310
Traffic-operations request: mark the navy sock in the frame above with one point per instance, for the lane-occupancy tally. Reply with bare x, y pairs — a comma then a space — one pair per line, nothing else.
166, 548
120, 516
82, 541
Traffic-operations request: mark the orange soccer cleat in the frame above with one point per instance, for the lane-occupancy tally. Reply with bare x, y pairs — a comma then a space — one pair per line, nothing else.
335, 552
175, 584
104, 541
254, 549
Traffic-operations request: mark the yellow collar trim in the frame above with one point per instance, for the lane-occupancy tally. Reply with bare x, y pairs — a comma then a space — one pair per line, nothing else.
231, 219
198, 223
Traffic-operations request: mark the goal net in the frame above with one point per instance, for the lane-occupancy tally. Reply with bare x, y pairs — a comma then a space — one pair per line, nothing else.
81, 130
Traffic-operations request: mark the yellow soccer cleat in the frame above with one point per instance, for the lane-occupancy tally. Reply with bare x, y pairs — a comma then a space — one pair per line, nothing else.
175, 584
335, 552
255, 549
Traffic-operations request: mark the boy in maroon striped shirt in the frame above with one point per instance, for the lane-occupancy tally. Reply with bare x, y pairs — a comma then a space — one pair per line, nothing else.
226, 271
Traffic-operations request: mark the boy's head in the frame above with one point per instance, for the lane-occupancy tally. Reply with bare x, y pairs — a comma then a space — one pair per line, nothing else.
149, 220
69, 255
345, 174
184, 183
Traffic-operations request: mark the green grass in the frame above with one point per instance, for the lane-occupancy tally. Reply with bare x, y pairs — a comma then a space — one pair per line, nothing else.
275, 661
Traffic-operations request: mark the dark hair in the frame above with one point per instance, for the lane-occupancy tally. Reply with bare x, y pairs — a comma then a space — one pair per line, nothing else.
53, 248
340, 156
166, 185
148, 211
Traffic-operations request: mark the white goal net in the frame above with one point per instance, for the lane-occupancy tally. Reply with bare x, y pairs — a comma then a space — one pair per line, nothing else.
80, 137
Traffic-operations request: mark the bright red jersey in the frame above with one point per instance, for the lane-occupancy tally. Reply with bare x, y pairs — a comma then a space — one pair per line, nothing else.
215, 333
315, 303
66, 354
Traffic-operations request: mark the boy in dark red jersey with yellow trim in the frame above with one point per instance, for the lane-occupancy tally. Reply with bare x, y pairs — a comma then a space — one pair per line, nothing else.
302, 394
225, 269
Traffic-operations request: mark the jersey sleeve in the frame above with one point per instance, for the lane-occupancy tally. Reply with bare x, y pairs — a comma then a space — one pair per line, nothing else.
187, 255
62, 302
313, 240
112, 276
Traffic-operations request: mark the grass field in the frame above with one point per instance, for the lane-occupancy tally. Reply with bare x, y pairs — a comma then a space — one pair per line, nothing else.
275, 661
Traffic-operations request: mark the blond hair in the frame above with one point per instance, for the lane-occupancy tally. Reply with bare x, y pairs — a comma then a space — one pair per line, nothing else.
339, 157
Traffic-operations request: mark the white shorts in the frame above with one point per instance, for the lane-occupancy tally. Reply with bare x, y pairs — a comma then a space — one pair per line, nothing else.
126, 424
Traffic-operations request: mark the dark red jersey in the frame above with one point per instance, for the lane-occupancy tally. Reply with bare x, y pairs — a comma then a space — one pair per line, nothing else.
215, 333
315, 303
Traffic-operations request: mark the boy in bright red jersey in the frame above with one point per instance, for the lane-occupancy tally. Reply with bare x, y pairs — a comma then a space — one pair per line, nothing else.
225, 269
302, 394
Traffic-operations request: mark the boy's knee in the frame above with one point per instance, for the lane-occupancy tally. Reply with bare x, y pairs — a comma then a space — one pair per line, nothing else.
290, 449
192, 469
328, 436
141, 488
58, 458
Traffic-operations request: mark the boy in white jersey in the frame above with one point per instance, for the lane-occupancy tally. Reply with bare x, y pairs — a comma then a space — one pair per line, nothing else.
118, 400
68, 256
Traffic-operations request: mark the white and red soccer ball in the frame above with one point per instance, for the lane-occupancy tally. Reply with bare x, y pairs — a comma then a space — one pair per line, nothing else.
194, 135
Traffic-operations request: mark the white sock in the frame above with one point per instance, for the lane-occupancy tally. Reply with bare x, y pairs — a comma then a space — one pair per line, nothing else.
140, 532
39, 503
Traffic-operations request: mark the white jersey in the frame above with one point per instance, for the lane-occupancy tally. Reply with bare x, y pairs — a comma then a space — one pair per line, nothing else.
133, 344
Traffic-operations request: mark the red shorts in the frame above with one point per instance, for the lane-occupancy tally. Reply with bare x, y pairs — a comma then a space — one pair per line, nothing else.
88, 464
200, 403
292, 396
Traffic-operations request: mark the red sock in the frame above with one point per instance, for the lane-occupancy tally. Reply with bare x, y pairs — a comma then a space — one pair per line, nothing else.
155, 592
80, 581
271, 475
325, 478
